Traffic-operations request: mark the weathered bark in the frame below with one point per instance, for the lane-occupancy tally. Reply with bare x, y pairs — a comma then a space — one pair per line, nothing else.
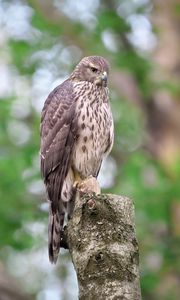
103, 246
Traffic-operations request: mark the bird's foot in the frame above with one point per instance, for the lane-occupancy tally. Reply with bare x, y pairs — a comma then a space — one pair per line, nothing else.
89, 185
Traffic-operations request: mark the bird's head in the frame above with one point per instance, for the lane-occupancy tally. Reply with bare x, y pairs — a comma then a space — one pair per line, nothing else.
94, 69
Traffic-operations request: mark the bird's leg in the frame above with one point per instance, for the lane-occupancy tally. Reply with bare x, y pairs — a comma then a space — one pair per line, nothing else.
77, 181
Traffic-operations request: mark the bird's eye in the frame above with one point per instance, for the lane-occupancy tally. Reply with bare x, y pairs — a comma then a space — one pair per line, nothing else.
94, 70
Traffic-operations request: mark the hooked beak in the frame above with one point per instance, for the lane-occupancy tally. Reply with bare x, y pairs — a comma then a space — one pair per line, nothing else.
104, 78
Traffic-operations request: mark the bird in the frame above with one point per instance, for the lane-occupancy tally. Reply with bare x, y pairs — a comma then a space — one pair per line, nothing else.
76, 134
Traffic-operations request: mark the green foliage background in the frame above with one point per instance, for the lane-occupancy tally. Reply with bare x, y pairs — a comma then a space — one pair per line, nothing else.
37, 58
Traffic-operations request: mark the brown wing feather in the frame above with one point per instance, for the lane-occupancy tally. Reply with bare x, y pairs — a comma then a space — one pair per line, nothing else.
58, 131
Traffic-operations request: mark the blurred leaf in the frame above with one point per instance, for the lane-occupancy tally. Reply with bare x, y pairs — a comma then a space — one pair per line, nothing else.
21, 52
109, 19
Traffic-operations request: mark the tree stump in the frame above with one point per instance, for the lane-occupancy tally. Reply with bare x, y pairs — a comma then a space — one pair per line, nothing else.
103, 246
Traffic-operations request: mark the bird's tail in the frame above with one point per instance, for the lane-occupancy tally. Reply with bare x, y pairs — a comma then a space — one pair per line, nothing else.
55, 227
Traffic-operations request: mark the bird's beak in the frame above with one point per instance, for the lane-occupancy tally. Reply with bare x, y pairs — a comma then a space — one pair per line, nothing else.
104, 78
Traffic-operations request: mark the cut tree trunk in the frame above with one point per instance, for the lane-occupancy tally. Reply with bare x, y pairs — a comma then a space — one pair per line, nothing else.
103, 247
